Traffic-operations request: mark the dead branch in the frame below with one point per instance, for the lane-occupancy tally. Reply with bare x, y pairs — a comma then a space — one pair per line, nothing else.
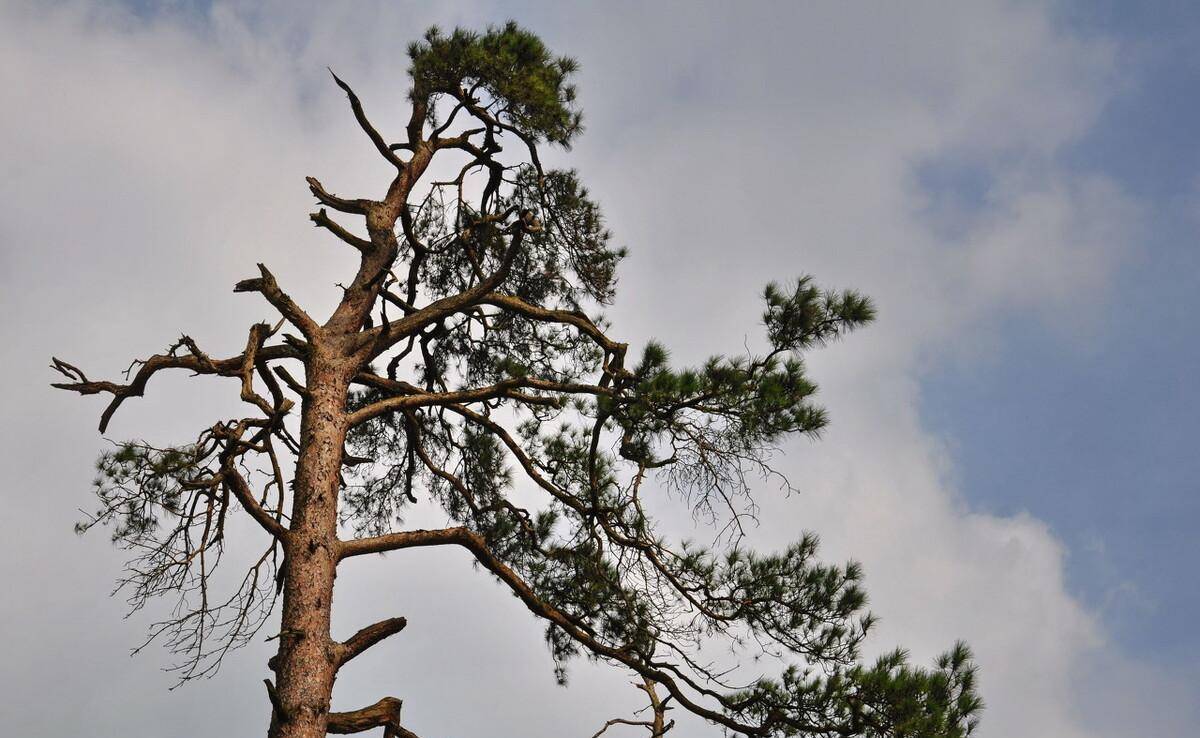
321, 219
367, 637
195, 362
361, 116
354, 207
287, 307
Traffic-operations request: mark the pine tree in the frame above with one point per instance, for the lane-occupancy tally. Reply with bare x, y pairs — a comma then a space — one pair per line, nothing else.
467, 358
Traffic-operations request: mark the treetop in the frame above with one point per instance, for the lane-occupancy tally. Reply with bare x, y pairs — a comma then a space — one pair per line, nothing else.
529, 86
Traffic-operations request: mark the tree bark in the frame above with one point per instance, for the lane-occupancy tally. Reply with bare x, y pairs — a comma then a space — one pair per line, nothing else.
306, 663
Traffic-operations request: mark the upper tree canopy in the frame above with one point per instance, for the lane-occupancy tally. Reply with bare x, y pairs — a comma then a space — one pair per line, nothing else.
479, 373
510, 65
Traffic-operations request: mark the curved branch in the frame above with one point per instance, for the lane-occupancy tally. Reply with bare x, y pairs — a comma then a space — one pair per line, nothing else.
410, 396
259, 333
426, 399
487, 118
625, 721
477, 546
321, 219
546, 315
361, 116
407, 539
386, 337
233, 481
353, 207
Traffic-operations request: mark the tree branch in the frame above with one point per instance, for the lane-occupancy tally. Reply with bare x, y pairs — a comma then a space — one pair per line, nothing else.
385, 714
477, 546
195, 361
406, 539
411, 396
425, 399
624, 721
286, 306
321, 219
233, 481
360, 115
259, 332
487, 118
367, 637
446, 306
353, 207
577, 319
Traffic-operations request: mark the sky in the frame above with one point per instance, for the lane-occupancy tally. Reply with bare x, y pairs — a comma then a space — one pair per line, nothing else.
1011, 452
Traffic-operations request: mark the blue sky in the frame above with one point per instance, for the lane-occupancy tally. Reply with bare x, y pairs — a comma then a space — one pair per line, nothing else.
1099, 436
1012, 452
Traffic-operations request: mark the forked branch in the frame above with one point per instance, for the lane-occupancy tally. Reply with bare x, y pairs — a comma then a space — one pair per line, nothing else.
194, 361
287, 307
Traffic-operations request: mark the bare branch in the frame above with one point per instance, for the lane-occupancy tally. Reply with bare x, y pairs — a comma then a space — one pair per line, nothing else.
236, 483
475, 544
195, 361
259, 332
622, 721
412, 396
360, 115
367, 637
286, 306
383, 714
321, 219
438, 309
290, 381
406, 539
573, 318
354, 207
426, 399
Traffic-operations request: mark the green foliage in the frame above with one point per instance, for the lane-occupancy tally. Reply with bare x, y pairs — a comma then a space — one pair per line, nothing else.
513, 67
376, 502
167, 507
889, 699
707, 432
806, 316
570, 259
138, 484
568, 262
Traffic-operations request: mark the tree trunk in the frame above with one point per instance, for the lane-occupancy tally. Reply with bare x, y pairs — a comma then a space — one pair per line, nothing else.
305, 665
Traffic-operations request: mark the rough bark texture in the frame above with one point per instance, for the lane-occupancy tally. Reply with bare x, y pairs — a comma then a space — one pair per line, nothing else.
306, 664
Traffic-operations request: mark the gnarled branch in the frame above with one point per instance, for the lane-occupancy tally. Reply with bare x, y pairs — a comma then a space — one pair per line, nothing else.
194, 361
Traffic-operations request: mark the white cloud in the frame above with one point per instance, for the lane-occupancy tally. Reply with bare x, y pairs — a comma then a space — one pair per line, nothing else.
151, 165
